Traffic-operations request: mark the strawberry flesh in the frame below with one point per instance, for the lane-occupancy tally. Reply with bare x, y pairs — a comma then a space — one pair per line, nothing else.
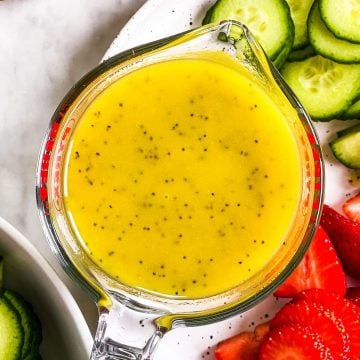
243, 346
319, 268
343, 313
345, 236
305, 313
294, 342
351, 208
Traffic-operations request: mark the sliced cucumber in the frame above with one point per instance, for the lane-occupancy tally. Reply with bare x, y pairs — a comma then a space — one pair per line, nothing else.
353, 112
325, 88
29, 322
342, 17
346, 148
301, 54
207, 18
326, 44
269, 20
282, 56
299, 12
11, 334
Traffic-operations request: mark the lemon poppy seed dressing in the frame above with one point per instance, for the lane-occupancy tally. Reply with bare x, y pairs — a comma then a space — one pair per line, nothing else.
183, 178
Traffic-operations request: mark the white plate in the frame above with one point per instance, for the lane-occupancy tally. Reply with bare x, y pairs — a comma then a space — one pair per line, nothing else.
65, 332
158, 19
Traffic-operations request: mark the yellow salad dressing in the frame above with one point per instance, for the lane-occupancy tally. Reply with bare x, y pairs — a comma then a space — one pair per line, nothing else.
183, 178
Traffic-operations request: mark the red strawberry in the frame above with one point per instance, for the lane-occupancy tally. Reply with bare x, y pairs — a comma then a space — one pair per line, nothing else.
345, 236
320, 268
343, 313
353, 294
305, 313
351, 208
294, 342
243, 346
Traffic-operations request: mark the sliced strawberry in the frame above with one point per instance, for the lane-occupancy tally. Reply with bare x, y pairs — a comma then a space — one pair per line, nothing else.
243, 346
262, 330
345, 236
320, 268
294, 342
304, 313
342, 312
351, 208
353, 294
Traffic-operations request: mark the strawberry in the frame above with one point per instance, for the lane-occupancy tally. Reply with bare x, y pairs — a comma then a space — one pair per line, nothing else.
320, 268
342, 312
345, 236
305, 313
243, 346
351, 208
293, 342
353, 294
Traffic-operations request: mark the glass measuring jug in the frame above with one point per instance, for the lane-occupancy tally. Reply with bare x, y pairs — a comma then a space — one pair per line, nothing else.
228, 48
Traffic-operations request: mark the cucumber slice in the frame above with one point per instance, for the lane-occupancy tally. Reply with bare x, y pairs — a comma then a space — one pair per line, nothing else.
29, 321
269, 20
282, 56
207, 18
326, 44
299, 13
11, 332
325, 88
353, 112
342, 17
301, 54
347, 148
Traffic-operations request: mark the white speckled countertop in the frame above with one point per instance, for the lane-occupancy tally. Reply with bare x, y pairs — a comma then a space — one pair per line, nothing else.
45, 47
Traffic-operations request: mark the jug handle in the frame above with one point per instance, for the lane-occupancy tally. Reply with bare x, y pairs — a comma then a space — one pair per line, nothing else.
109, 344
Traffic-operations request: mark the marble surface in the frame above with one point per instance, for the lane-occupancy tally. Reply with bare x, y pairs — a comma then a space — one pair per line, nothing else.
45, 47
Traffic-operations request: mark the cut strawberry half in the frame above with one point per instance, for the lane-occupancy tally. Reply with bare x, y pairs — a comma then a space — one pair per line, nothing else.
351, 208
243, 346
304, 313
345, 236
320, 268
294, 342
342, 312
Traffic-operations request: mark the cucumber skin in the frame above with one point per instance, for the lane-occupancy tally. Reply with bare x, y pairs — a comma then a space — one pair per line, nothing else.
301, 54
333, 28
32, 356
282, 57
321, 117
301, 37
330, 47
211, 16
29, 321
208, 15
348, 157
353, 112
